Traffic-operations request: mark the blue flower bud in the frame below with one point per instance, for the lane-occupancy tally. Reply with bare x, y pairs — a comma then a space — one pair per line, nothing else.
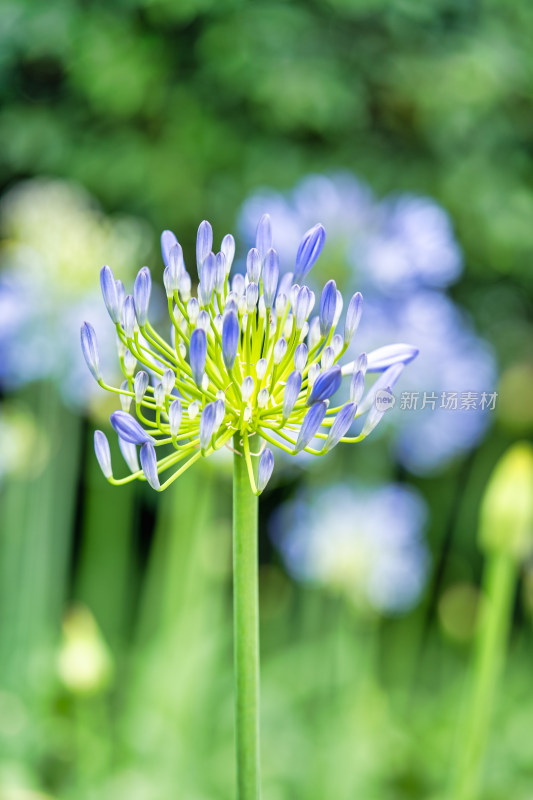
300, 356
109, 293
237, 284
175, 413
308, 251
204, 320
247, 388
185, 285
341, 425
168, 240
325, 385
207, 426
125, 399
362, 363
338, 310
220, 413
231, 304
292, 390
231, 333
121, 293
327, 358
302, 305
129, 452
328, 307
265, 468
228, 248
174, 269
252, 296
263, 237
385, 357
374, 417
167, 282
353, 316
193, 309
140, 385
204, 243
337, 343
141, 295
253, 265
168, 380
280, 348
89, 347
312, 422
198, 354
313, 336
128, 317
149, 465
270, 277
281, 303
207, 279
128, 428
357, 386
220, 272
103, 454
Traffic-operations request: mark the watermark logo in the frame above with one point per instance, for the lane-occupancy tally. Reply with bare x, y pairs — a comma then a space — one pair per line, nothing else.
384, 400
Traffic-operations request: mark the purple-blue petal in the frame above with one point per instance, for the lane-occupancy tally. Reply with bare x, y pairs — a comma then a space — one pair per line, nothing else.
149, 465
325, 385
89, 349
230, 338
141, 295
385, 357
310, 425
308, 251
263, 237
207, 426
353, 316
168, 240
175, 412
341, 425
270, 277
204, 243
198, 354
110, 293
129, 453
292, 390
128, 428
328, 306
103, 453
265, 468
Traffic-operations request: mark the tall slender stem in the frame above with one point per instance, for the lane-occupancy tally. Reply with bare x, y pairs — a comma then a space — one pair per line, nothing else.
246, 628
500, 585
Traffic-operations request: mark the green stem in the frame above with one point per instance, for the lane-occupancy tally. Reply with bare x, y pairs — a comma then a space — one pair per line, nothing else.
500, 585
246, 617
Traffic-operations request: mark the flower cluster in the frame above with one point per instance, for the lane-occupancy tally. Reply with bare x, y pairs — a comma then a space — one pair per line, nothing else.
245, 358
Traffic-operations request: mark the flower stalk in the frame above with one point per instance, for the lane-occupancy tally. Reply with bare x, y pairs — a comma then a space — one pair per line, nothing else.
246, 627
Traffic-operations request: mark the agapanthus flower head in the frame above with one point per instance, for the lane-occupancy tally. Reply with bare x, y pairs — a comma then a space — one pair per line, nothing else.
245, 358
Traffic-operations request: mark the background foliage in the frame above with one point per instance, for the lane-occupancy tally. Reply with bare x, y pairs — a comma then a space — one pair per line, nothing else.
115, 642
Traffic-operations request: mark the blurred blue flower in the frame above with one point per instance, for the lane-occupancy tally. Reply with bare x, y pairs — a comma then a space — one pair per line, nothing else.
367, 544
54, 240
402, 254
451, 359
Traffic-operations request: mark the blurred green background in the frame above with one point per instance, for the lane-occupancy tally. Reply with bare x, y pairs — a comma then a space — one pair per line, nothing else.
120, 119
